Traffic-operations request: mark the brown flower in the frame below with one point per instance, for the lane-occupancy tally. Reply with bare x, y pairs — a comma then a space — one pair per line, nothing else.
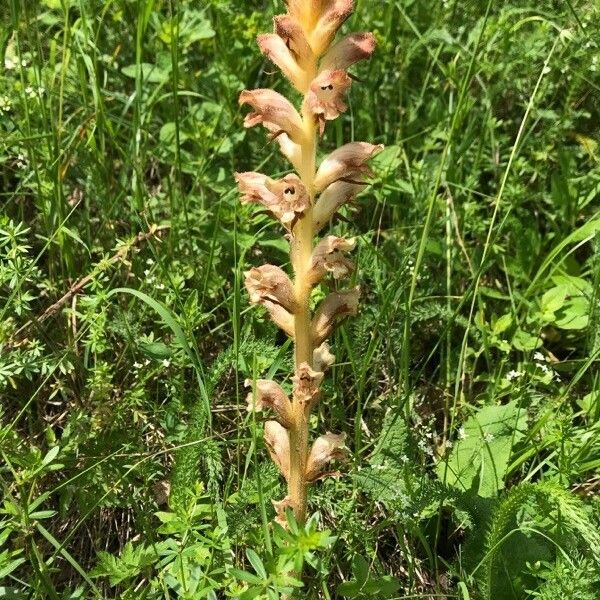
291, 31
306, 385
323, 358
286, 198
326, 448
278, 443
352, 49
270, 283
325, 99
274, 111
333, 197
334, 308
269, 394
277, 51
347, 163
329, 257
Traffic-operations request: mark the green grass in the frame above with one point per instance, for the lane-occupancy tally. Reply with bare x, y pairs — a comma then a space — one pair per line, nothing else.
468, 385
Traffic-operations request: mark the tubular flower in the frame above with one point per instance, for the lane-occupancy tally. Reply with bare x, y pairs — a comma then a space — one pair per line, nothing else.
323, 359
350, 50
334, 308
326, 448
271, 284
336, 195
274, 111
302, 46
347, 163
278, 443
306, 385
329, 257
325, 99
269, 394
286, 198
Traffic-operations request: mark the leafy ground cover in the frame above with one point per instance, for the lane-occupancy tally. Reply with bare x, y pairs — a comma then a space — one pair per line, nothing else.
468, 385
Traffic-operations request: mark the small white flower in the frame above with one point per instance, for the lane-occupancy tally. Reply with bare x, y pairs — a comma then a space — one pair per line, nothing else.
462, 434
137, 365
544, 368
513, 375
9, 63
539, 357
5, 103
166, 362
147, 272
21, 161
488, 437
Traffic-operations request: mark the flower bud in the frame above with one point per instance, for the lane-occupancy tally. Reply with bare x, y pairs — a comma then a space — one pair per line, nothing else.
347, 163
323, 359
270, 283
326, 448
278, 443
352, 49
330, 18
329, 257
268, 394
334, 308
306, 385
274, 111
325, 99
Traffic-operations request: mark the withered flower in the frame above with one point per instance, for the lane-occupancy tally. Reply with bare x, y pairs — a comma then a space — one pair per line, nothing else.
323, 359
274, 111
278, 443
326, 448
268, 394
271, 284
280, 508
334, 308
350, 50
329, 257
325, 99
291, 31
306, 385
347, 163
286, 198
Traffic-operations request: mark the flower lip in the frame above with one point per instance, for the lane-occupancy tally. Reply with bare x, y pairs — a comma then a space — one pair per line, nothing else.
323, 358
325, 99
335, 307
350, 50
274, 111
347, 163
306, 385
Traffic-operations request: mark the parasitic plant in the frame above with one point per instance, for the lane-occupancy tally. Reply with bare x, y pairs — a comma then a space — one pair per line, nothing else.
303, 47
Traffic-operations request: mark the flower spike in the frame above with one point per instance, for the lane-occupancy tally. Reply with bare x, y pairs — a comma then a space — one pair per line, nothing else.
301, 45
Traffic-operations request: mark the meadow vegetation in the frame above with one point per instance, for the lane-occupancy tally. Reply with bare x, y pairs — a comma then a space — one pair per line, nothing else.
468, 384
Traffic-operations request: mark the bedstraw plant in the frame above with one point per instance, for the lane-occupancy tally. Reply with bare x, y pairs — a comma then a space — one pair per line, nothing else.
303, 47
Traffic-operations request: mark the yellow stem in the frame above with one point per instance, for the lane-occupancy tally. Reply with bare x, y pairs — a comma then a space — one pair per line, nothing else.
301, 252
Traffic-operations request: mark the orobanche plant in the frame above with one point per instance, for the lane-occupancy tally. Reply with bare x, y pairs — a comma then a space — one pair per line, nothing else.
302, 46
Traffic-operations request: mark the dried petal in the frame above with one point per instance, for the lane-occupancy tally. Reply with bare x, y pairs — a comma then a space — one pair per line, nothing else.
326, 448
278, 443
306, 385
290, 30
280, 508
331, 17
270, 283
336, 195
353, 48
325, 99
276, 50
329, 257
348, 163
334, 308
268, 394
286, 198
274, 111
323, 358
